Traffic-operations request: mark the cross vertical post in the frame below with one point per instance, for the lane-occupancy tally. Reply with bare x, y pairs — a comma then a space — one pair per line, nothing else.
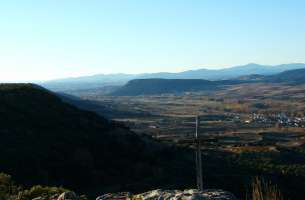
198, 158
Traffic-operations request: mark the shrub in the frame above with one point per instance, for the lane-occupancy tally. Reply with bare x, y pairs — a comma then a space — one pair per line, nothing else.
10, 191
7, 187
263, 190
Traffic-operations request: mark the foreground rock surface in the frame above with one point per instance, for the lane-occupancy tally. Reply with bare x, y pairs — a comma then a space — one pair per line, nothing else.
172, 195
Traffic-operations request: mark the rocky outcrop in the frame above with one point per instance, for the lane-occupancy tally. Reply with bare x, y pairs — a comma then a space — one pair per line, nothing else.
172, 195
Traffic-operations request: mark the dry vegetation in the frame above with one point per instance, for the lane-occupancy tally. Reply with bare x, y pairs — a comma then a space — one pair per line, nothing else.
262, 190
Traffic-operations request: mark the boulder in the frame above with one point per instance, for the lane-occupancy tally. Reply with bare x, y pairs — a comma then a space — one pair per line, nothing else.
68, 196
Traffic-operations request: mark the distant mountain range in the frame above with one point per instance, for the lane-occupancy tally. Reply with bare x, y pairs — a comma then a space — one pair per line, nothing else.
101, 80
162, 86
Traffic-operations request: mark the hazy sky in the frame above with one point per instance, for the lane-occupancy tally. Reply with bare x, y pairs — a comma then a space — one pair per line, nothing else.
46, 39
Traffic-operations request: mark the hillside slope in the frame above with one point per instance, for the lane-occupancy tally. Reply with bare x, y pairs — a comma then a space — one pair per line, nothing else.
46, 141
296, 76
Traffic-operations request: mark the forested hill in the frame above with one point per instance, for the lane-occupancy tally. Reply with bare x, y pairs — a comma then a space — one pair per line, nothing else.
162, 86
46, 141
159, 86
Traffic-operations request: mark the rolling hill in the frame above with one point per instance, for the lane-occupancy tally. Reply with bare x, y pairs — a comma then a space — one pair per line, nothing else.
44, 140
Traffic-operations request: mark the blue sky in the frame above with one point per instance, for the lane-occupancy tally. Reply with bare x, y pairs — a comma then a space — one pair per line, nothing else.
61, 38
